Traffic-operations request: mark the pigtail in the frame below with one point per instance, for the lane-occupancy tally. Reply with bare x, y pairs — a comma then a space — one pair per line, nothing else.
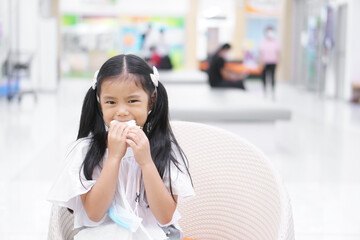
92, 125
162, 138
90, 115
157, 128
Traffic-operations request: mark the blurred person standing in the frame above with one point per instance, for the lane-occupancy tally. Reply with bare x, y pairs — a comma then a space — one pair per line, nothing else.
219, 76
163, 49
269, 56
161, 43
149, 39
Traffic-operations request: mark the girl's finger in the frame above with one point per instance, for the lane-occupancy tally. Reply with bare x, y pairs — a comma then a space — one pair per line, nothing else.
131, 143
112, 130
126, 131
133, 137
115, 129
138, 132
120, 128
133, 129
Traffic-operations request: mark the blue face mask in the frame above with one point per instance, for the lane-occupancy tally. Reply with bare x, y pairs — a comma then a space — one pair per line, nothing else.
124, 217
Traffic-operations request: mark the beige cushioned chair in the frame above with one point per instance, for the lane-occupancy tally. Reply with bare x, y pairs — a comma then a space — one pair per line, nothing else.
238, 193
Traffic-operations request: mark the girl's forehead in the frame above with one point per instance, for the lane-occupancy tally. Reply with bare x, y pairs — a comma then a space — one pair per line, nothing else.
116, 86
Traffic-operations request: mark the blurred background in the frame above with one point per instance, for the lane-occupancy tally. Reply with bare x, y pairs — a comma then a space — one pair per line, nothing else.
309, 125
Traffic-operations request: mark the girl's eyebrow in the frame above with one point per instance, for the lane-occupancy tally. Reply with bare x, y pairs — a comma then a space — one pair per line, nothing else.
134, 96
109, 97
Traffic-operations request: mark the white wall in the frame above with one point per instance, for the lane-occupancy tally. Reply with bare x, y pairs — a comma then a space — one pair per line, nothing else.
26, 26
226, 26
48, 57
25, 38
352, 52
4, 18
353, 47
4, 32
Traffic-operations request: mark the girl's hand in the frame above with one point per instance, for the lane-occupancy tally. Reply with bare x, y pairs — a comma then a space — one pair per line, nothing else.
117, 140
138, 141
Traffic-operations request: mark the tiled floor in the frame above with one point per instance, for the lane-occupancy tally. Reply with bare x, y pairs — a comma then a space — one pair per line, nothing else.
317, 153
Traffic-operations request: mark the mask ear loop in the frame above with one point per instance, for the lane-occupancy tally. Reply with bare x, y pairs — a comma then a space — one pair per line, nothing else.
137, 198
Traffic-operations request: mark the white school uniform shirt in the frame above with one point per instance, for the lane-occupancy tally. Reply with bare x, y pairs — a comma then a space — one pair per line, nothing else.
70, 185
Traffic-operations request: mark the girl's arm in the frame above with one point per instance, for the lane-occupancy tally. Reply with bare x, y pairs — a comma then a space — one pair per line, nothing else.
159, 198
160, 201
98, 200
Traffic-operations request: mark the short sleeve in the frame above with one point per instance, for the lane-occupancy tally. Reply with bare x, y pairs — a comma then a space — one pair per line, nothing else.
71, 184
180, 179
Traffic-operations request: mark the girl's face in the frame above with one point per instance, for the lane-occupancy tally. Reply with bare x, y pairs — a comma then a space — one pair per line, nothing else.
270, 34
123, 101
225, 54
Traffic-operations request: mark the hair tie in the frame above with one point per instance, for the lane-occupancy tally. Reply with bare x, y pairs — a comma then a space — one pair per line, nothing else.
155, 77
94, 82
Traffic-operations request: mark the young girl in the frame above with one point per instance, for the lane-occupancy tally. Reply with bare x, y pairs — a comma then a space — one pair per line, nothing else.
119, 174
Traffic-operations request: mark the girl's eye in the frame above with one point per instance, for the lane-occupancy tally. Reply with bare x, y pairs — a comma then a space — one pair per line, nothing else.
110, 102
133, 101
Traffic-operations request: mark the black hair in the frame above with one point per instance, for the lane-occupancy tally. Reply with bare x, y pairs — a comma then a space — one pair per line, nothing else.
157, 126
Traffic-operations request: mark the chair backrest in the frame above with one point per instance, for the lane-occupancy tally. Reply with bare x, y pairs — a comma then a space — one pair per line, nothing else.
61, 224
238, 193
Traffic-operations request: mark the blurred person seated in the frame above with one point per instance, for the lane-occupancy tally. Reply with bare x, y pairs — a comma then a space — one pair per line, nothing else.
219, 76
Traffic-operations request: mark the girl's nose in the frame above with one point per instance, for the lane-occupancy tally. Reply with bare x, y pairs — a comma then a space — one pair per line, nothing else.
122, 111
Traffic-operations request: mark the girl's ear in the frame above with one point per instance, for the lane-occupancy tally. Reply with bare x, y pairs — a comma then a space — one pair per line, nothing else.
153, 97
